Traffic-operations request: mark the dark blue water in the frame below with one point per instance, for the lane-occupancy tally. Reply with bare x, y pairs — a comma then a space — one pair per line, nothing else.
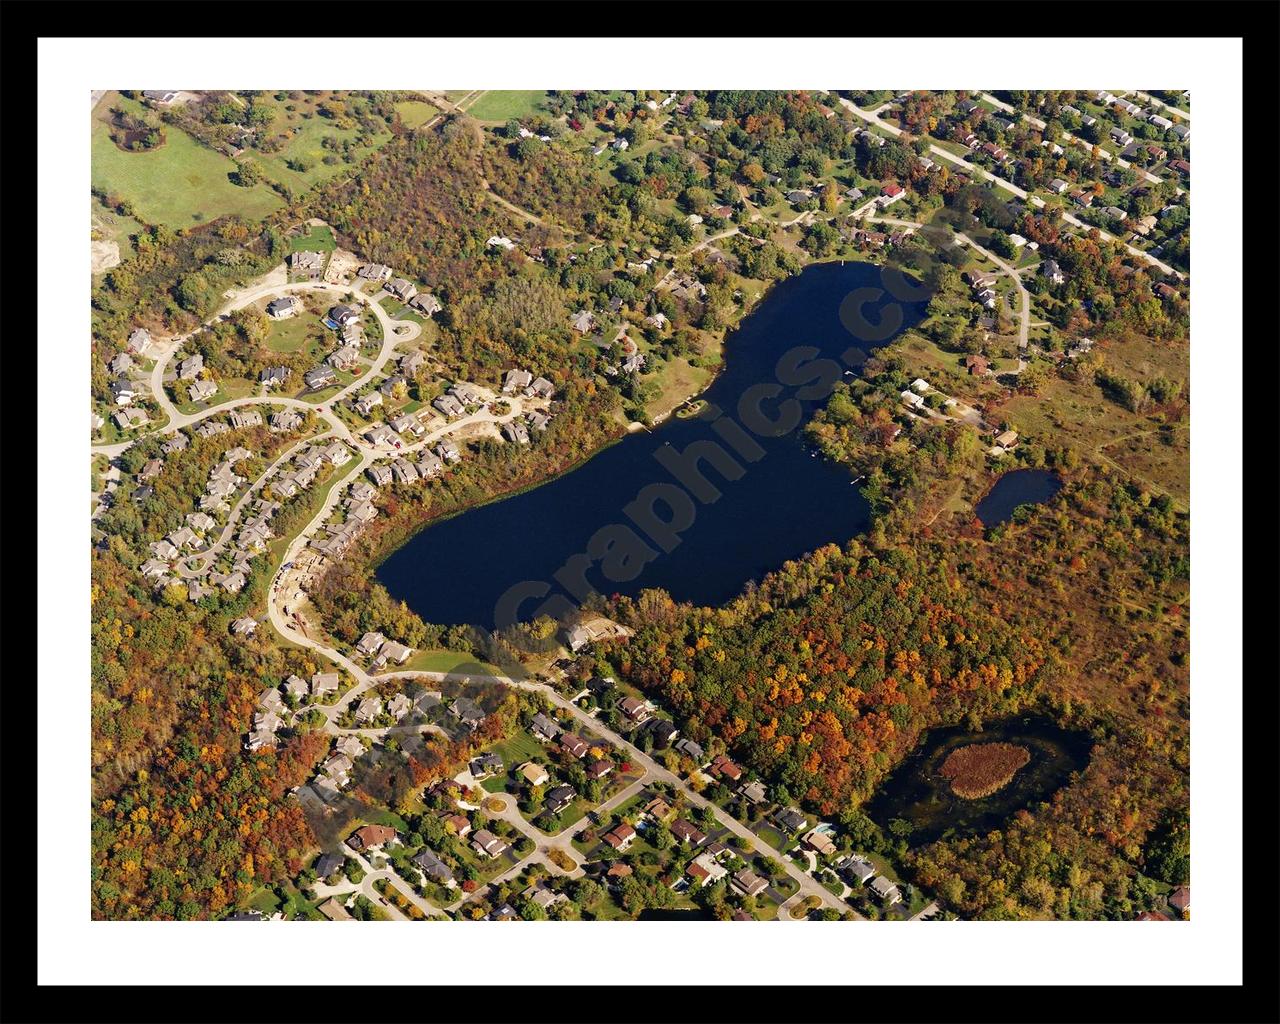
1018, 487
783, 503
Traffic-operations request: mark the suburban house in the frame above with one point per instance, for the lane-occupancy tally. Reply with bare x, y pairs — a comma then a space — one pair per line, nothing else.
890, 194
286, 419
374, 272
484, 765
411, 363
885, 890
544, 728
515, 432
369, 709
328, 864
599, 768
1051, 270
857, 870
458, 824
540, 388
583, 321
620, 837
635, 709
334, 910
324, 682
139, 342
1180, 899
344, 357
371, 837
516, 380
366, 403
725, 768
686, 832
241, 418
392, 651
274, 377
426, 303
658, 809
177, 443
380, 475
202, 390
123, 391
575, 745
754, 791
433, 867
534, 774
307, 262
122, 363
820, 842
344, 315
244, 626
401, 289
662, 731
791, 820
749, 883
448, 406
1058, 186
690, 749
557, 799
486, 843
320, 377
467, 712
283, 308
975, 364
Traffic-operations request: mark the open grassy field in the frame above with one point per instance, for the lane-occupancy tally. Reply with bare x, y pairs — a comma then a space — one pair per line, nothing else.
307, 144
113, 227
415, 113
502, 105
179, 185
292, 335
316, 239
447, 661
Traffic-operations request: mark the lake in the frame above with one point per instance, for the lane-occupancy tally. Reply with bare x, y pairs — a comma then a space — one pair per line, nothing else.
734, 515
1017, 487
917, 793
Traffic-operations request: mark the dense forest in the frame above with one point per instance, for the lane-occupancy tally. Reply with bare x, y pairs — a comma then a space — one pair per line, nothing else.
825, 675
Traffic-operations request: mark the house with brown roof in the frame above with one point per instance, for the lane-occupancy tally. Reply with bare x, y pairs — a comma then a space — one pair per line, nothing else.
575, 745
687, 832
371, 837
620, 837
726, 769
1180, 899
485, 842
749, 883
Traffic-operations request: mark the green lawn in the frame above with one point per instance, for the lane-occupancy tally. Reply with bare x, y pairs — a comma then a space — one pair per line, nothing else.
181, 184
520, 748
290, 335
415, 113
502, 105
307, 145
317, 239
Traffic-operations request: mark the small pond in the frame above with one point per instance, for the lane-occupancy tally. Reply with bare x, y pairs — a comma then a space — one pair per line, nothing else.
1017, 487
920, 793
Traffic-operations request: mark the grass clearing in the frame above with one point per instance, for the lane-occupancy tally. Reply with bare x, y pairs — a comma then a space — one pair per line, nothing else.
315, 140
415, 113
502, 105
448, 661
318, 238
180, 184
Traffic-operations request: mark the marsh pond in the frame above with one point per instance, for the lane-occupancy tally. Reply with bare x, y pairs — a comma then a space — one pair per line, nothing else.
959, 782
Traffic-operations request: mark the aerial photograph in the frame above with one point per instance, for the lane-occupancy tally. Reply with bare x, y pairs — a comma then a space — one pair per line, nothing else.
639, 505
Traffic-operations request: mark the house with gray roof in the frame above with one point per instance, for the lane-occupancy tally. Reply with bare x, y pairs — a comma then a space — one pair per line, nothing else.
202, 390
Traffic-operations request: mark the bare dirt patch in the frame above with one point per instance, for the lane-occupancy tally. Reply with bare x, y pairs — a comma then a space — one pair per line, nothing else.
104, 255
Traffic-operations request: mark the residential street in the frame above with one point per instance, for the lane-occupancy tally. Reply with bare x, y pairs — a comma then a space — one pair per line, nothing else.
974, 169
808, 885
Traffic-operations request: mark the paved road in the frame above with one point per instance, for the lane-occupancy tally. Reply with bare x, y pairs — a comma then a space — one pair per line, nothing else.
1008, 186
808, 885
408, 330
1104, 154
372, 874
